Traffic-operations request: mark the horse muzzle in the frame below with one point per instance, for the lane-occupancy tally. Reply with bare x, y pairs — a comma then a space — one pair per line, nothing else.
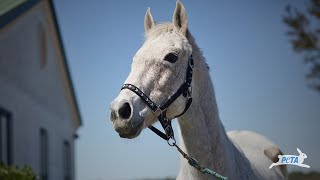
127, 123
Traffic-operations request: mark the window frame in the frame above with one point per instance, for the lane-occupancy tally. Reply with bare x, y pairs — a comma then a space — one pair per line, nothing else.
44, 154
6, 116
66, 155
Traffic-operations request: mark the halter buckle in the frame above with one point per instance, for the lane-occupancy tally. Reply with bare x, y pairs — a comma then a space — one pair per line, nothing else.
158, 111
190, 91
191, 64
169, 131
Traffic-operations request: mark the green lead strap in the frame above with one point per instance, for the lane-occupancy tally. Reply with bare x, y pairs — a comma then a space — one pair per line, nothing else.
194, 163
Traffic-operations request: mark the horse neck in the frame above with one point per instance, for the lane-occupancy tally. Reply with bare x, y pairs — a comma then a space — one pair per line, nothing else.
202, 134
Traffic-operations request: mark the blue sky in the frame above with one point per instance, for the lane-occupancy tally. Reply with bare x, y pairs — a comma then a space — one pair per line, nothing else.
259, 81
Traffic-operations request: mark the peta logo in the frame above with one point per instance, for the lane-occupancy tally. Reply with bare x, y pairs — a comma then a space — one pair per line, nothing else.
292, 159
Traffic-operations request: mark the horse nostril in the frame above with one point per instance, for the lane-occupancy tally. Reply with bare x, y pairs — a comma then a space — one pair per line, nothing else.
125, 111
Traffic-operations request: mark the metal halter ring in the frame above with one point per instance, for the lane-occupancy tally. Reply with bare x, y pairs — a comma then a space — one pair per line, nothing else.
190, 91
158, 110
172, 142
191, 63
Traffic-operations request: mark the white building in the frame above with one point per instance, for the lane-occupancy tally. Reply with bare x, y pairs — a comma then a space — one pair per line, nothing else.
39, 115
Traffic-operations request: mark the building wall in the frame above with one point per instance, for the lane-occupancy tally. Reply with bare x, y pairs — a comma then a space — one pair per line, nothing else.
32, 88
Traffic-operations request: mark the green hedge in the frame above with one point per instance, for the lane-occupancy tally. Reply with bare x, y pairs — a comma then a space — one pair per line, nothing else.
14, 173
313, 175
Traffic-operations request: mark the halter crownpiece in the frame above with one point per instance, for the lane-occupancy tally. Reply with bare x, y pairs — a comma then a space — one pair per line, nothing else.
186, 90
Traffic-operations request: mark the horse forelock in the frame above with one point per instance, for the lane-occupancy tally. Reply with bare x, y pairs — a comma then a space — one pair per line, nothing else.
159, 29
162, 28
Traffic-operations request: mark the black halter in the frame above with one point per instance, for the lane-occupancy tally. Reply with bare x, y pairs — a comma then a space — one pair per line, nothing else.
184, 89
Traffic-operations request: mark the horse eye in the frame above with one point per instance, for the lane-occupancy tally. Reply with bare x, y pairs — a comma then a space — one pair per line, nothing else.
172, 58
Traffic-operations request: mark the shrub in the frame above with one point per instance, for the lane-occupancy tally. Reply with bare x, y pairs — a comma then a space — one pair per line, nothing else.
14, 173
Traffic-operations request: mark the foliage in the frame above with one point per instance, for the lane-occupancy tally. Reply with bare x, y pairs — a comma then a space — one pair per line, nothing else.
14, 173
295, 175
304, 176
305, 37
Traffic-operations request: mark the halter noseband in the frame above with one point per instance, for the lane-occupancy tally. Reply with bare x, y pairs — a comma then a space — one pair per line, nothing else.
184, 89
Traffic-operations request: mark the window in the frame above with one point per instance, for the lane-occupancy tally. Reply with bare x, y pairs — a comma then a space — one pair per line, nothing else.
6, 137
42, 45
44, 155
66, 161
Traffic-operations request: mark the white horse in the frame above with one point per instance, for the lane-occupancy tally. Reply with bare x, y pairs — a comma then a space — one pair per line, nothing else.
158, 69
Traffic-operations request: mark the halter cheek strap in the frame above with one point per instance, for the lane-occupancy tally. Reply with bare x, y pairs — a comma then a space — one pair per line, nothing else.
184, 89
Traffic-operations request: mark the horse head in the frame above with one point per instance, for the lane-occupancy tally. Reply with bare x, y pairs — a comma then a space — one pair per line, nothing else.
158, 69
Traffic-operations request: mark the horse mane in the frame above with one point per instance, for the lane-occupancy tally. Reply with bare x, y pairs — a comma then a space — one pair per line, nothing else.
162, 28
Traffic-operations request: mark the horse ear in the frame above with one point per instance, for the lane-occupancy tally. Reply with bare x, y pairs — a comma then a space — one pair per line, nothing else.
148, 21
179, 19
299, 151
